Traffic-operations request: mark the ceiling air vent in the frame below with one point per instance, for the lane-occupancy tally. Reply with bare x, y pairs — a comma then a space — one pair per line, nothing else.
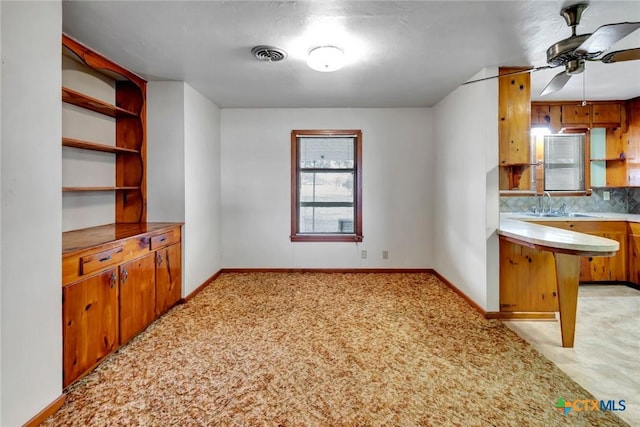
269, 53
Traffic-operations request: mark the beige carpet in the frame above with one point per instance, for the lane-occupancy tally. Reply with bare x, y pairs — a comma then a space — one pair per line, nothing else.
313, 349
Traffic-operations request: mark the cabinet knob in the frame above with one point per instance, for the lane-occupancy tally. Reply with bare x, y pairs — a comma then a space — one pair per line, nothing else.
159, 258
112, 280
125, 275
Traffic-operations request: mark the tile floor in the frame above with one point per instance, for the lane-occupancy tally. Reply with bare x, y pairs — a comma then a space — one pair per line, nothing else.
605, 359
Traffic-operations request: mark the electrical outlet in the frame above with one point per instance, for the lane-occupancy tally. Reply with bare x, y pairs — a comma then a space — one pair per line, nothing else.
385, 254
606, 195
363, 254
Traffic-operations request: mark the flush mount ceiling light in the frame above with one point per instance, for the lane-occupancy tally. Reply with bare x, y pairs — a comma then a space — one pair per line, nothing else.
326, 58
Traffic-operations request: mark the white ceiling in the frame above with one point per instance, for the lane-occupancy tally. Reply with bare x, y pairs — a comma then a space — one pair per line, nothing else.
400, 53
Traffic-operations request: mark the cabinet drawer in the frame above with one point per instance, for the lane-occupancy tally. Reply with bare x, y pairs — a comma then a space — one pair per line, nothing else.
164, 239
100, 260
137, 247
634, 228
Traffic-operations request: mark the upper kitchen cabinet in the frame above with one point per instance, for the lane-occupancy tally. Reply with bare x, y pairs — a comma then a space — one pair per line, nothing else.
631, 139
608, 115
545, 115
558, 115
514, 115
514, 121
576, 116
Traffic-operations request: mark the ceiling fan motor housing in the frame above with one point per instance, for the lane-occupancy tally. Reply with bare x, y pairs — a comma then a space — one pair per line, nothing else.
564, 51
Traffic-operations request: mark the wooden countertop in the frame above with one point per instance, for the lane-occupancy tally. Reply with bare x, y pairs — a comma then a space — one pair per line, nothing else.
513, 226
77, 240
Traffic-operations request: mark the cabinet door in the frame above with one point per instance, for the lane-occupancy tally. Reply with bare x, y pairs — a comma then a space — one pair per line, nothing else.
527, 279
634, 259
540, 115
606, 115
514, 110
168, 278
137, 296
90, 323
576, 115
607, 269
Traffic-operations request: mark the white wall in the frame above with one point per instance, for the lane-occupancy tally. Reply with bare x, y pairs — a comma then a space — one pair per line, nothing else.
31, 209
202, 189
1, 192
398, 194
466, 190
165, 152
183, 180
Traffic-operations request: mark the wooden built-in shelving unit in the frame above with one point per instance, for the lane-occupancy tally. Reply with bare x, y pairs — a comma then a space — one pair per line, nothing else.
116, 278
81, 189
94, 146
78, 99
129, 148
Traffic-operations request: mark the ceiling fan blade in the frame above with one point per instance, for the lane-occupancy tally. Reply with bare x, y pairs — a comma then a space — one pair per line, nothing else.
621, 55
556, 83
513, 73
606, 36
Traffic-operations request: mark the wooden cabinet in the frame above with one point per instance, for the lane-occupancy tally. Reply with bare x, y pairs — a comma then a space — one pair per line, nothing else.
527, 279
514, 93
527, 276
631, 139
514, 116
90, 323
546, 115
572, 114
540, 114
633, 241
168, 274
137, 296
124, 118
576, 116
116, 280
607, 115
600, 269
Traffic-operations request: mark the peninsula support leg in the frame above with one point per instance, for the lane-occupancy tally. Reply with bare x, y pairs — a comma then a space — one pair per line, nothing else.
567, 274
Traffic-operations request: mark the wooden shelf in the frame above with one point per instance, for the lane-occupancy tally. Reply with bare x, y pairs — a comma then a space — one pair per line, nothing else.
86, 189
70, 96
88, 145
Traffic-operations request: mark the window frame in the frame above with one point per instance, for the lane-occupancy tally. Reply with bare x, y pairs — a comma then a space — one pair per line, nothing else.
357, 235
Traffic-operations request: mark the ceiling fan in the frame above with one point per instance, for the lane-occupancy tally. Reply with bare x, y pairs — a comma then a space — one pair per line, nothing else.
573, 52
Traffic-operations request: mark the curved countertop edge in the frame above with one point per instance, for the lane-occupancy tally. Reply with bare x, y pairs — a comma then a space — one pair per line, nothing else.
513, 227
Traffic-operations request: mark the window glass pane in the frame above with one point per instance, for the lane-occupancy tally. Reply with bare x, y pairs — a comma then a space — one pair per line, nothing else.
332, 153
326, 220
564, 162
326, 187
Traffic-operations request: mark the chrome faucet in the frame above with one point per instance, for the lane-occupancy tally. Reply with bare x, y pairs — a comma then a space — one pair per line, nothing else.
540, 203
546, 193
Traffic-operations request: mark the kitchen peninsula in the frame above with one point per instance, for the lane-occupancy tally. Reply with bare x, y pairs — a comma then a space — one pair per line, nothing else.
567, 248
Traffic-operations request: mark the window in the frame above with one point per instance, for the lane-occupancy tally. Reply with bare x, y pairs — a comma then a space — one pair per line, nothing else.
326, 185
560, 163
564, 162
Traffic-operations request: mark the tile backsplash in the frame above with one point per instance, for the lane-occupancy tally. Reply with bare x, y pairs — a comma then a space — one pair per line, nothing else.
634, 200
621, 200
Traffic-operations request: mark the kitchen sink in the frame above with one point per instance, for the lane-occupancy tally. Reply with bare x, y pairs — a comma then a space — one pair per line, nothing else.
580, 215
559, 215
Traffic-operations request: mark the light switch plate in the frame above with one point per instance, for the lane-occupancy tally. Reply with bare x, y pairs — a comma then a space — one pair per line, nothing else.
606, 195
